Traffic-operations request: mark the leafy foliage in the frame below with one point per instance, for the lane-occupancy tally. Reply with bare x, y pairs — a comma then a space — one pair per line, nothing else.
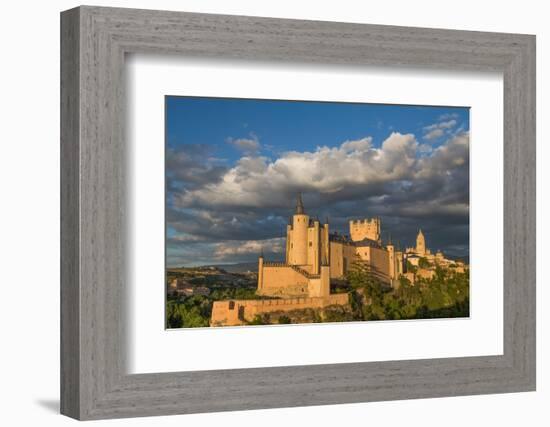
411, 267
337, 313
195, 311
260, 319
284, 320
192, 312
423, 263
445, 295
233, 293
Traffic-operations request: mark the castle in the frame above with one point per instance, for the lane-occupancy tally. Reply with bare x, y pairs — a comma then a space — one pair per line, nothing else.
314, 258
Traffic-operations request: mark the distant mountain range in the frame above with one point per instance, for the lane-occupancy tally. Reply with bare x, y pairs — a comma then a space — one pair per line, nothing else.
242, 267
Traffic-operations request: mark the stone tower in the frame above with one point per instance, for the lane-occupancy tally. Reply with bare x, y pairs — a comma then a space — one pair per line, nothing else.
420, 243
297, 235
365, 229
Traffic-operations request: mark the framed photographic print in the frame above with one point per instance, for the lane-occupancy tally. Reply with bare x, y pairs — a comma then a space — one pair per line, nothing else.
245, 241
323, 212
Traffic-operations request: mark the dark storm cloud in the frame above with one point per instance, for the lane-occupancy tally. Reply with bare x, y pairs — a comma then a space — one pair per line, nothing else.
213, 226
227, 213
191, 166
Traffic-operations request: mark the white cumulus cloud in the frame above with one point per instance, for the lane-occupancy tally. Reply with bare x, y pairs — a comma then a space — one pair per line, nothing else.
231, 248
437, 130
246, 145
258, 181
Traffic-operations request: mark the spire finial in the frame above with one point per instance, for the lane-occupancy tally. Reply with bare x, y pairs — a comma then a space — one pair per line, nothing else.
299, 204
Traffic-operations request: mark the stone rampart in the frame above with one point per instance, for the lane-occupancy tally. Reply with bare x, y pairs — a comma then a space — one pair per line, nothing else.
240, 312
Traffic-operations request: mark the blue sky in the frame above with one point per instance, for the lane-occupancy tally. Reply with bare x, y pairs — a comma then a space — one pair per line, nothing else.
234, 165
292, 125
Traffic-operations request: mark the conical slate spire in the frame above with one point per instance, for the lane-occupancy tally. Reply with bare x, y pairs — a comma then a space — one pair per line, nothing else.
299, 204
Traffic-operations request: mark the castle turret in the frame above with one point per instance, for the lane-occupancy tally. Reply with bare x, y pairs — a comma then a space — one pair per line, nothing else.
297, 235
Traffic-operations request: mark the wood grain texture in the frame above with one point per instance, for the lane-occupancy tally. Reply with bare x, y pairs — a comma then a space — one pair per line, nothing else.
70, 297
94, 382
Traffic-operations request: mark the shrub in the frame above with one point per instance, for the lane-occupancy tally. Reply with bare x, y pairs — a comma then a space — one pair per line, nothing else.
284, 320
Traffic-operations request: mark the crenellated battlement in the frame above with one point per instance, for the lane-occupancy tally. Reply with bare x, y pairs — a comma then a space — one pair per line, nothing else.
367, 228
296, 268
240, 312
364, 220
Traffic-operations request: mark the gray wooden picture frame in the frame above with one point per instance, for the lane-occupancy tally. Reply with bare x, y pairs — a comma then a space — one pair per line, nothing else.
94, 41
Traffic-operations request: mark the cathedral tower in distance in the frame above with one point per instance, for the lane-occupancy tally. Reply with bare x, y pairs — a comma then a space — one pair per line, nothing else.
420, 243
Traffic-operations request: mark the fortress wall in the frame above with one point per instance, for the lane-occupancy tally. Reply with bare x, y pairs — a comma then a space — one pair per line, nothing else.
308, 268
379, 261
254, 307
283, 280
239, 312
320, 287
336, 264
363, 252
350, 256
227, 313
342, 256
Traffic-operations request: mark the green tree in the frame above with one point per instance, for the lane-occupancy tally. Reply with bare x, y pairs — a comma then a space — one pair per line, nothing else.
337, 313
284, 320
411, 268
368, 292
260, 319
423, 263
